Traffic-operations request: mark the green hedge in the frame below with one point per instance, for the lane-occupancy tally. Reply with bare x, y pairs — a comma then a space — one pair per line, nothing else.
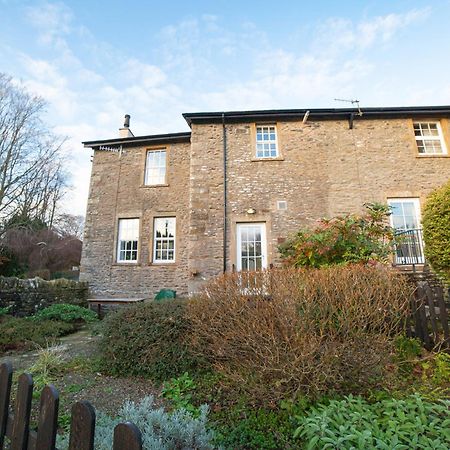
149, 340
436, 230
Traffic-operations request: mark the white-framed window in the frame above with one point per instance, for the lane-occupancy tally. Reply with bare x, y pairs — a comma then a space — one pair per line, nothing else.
266, 141
155, 167
128, 240
164, 239
429, 138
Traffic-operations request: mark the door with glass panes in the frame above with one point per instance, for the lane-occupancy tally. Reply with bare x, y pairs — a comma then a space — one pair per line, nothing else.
405, 219
251, 246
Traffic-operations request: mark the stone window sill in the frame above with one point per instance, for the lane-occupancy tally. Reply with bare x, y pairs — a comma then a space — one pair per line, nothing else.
119, 264
432, 156
153, 185
278, 158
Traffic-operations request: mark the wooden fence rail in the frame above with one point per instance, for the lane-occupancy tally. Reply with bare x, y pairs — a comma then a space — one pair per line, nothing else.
430, 317
16, 426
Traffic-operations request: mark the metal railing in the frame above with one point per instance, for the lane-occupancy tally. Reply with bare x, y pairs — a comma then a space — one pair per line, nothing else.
408, 246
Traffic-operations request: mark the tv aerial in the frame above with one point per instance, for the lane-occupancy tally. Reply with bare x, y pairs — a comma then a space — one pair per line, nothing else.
353, 102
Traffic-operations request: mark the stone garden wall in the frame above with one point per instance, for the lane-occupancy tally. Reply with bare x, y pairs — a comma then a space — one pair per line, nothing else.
25, 297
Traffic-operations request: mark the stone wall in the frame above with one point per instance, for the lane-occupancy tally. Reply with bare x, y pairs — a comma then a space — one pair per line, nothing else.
324, 169
117, 191
25, 297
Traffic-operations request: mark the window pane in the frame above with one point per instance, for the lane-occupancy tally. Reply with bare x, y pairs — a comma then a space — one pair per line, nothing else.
155, 170
164, 236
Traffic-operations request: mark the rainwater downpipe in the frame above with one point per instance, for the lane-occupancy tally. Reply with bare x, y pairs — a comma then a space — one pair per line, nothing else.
224, 194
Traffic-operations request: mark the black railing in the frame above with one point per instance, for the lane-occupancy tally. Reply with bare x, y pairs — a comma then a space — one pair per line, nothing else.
409, 247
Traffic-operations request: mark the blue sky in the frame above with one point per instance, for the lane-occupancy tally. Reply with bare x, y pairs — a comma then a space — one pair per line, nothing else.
94, 61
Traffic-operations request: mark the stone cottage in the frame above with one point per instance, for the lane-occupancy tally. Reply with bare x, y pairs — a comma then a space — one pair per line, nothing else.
174, 210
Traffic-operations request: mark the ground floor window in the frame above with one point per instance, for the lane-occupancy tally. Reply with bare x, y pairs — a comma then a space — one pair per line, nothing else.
128, 240
164, 240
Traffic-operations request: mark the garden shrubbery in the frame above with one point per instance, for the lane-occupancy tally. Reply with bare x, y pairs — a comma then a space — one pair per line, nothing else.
341, 240
24, 332
150, 339
66, 313
160, 430
436, 230
286, 332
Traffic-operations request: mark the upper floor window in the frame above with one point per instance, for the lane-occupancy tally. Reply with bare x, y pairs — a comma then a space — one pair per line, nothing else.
429, 138
266, 141
155, 167
127, 240
164, 240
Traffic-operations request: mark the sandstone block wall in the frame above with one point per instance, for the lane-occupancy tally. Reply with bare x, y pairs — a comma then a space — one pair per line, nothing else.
117, 191
324, 169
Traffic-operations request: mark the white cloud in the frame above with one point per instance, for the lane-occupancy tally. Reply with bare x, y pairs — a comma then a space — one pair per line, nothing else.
51, 20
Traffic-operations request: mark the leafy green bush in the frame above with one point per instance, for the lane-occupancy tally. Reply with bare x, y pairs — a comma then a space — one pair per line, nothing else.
150, 339
160, 430
64, 312
353, 423
24, 332
342, 240
436, 230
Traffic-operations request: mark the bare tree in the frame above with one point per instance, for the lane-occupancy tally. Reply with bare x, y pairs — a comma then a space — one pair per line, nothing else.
69, 225
32, 179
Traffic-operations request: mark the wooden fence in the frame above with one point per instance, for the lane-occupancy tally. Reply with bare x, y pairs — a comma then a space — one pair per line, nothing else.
16, 426
429, 320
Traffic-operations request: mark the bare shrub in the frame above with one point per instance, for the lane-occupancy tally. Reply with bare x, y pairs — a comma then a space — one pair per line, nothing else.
309, 331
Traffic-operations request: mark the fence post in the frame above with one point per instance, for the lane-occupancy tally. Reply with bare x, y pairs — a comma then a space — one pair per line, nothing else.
127, 437
21, 424
48, 419
5, 392
82, 427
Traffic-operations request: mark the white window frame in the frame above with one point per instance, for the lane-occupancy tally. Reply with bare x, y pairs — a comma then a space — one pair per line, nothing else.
259, 143
439, 138
164, 239
158, 167
131, 235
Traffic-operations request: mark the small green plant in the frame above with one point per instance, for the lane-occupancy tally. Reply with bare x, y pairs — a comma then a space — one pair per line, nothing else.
353, 423
47, 364
442, 368
66, 313
5, 310
179, 391
407, 349
257, 429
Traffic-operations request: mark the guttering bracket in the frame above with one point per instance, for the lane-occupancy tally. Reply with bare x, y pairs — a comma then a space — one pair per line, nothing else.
350, 121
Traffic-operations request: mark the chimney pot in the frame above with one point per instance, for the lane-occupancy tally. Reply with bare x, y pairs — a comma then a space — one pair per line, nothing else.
126, 124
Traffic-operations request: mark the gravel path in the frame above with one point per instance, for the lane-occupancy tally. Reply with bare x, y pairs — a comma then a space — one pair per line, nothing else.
106, 393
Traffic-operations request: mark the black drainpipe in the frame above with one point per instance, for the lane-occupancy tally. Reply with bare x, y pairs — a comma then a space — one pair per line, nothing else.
224, 194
